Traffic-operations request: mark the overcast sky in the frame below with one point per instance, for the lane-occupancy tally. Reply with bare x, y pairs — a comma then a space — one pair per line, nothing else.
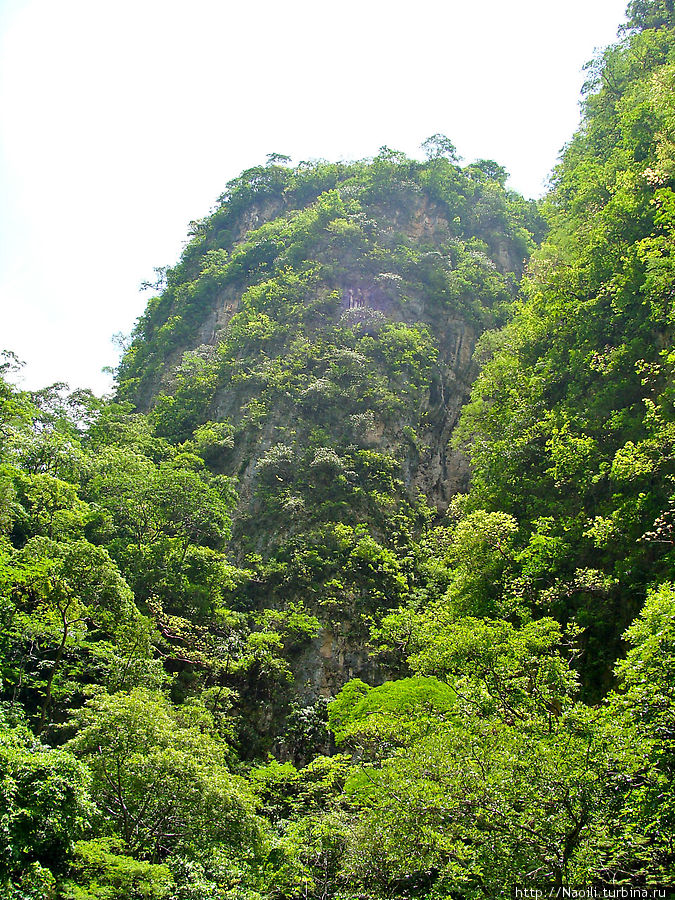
120, 122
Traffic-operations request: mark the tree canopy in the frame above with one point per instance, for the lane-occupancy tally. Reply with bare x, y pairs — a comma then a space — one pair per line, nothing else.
363, 584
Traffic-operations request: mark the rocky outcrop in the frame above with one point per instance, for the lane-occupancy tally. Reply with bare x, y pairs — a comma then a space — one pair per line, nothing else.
331, 326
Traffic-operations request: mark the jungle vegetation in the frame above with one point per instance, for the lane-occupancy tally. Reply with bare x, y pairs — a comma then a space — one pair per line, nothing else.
194, 570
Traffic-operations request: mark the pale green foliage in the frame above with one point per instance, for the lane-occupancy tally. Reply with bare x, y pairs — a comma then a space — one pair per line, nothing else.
101, 871
644, 708
394, 714
516, 672
44, 806
63, 595
478, 558
160, 780
473, 807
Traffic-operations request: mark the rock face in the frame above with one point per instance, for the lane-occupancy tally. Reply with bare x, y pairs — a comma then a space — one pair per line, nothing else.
332, 659
325, 320
443, 471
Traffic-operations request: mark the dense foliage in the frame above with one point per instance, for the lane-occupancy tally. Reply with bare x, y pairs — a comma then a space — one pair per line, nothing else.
261, 636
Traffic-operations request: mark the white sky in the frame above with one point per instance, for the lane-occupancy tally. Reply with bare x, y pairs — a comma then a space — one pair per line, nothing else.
120, 122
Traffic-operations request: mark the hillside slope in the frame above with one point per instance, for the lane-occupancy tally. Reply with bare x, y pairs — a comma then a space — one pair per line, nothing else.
263, 636
324, 318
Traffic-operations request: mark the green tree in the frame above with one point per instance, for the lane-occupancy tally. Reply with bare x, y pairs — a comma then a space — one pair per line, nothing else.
64, 595
644, 707
45, 808
437, 146
159, 780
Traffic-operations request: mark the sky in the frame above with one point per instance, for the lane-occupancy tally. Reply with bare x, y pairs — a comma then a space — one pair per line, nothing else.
122, 122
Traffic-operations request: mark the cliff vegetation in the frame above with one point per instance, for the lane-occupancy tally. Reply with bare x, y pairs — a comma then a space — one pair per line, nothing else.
363, 584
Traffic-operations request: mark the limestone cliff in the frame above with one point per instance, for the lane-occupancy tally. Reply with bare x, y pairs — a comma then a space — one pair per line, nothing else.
315, 343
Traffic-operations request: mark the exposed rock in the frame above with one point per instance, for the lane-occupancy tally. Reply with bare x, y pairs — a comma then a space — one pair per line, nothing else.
362, 259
